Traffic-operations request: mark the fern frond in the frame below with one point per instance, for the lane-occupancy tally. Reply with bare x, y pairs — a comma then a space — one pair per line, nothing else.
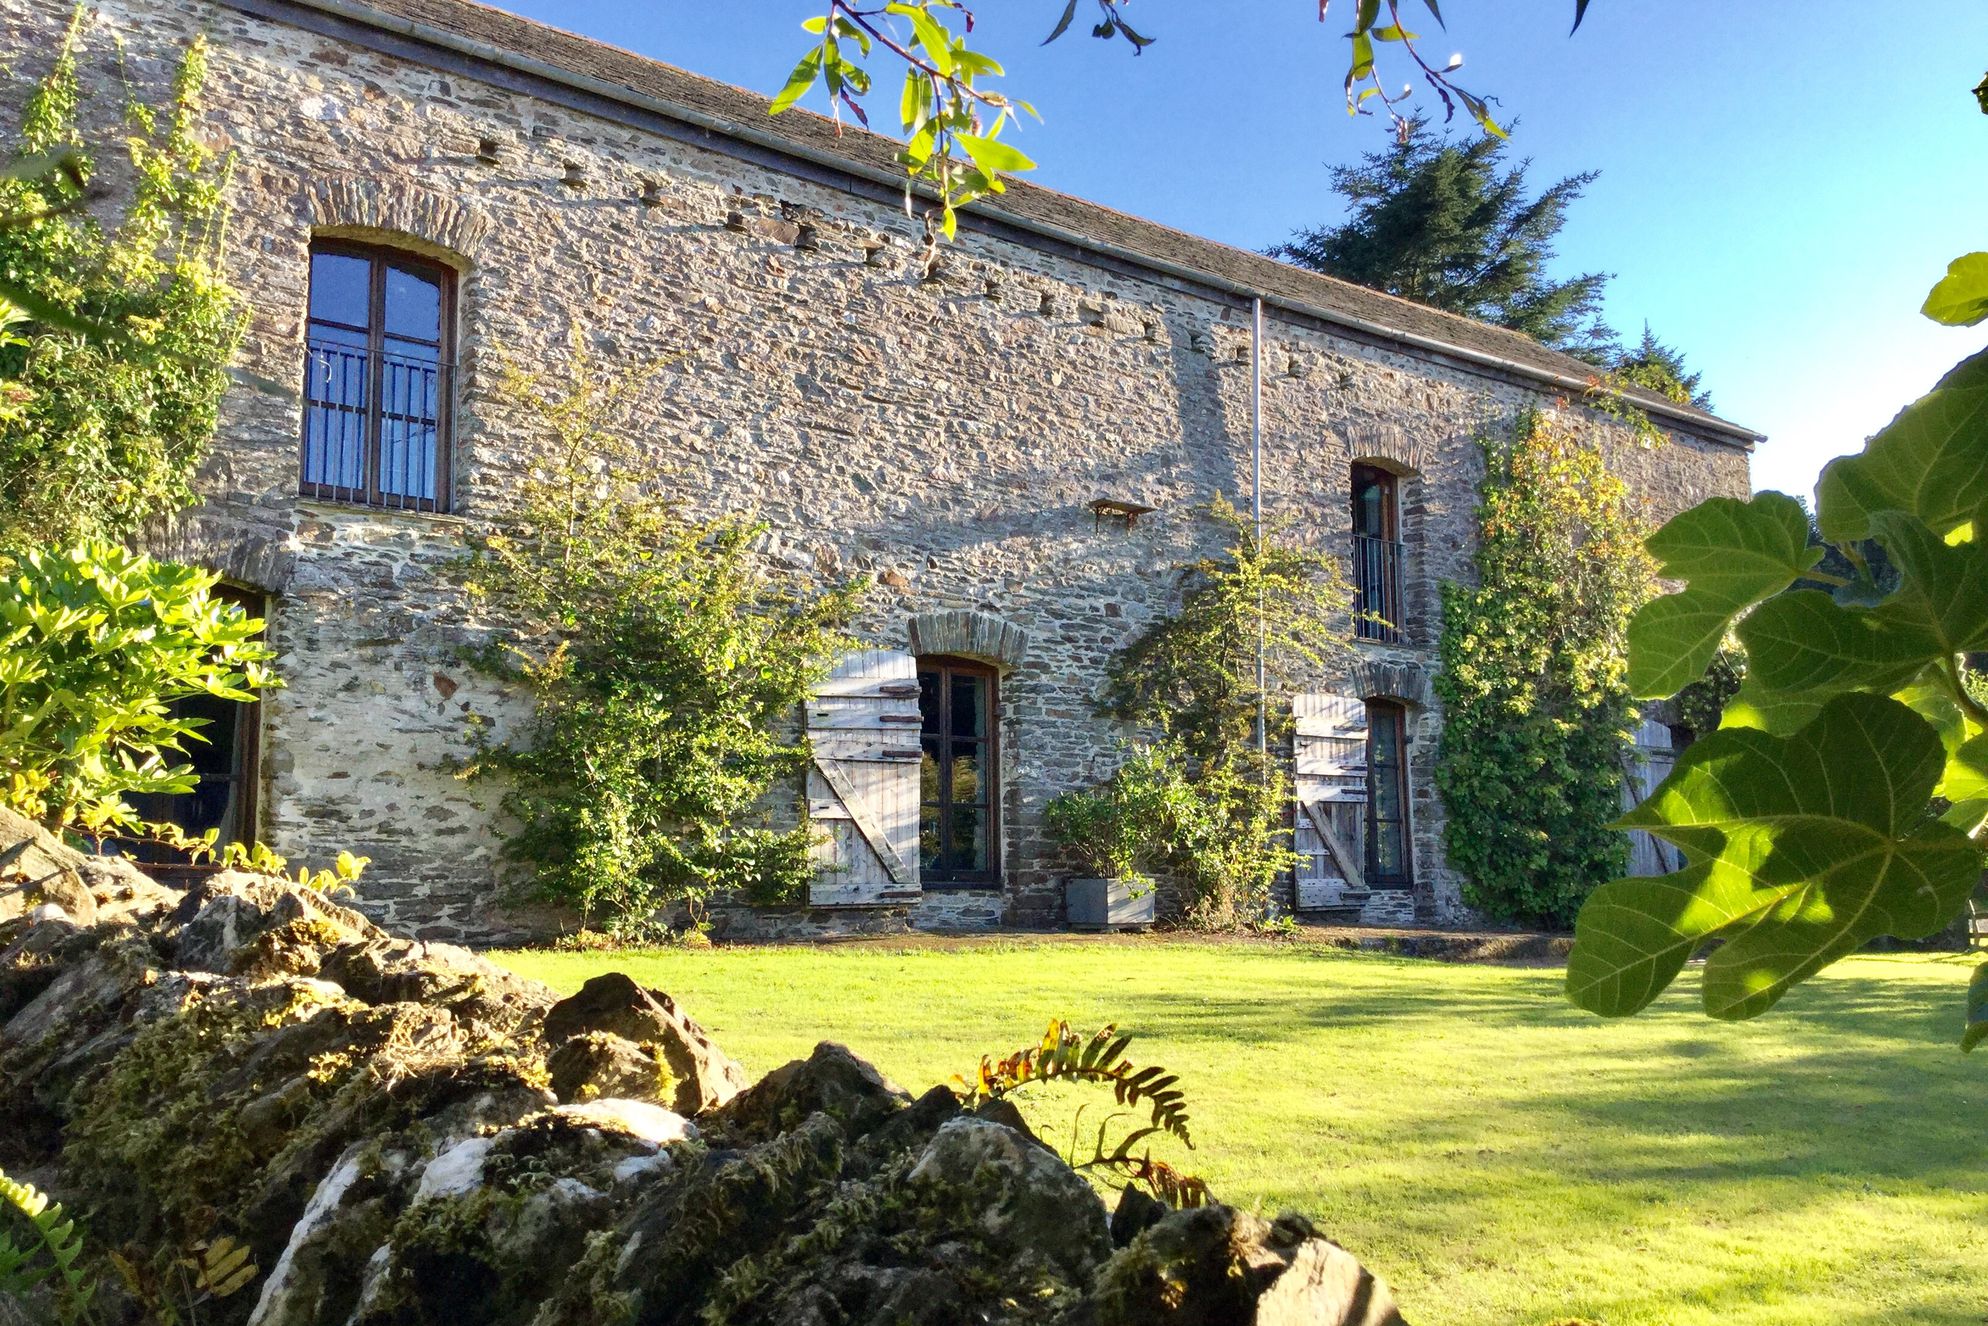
56, 1236
220, 1268
1063, 1054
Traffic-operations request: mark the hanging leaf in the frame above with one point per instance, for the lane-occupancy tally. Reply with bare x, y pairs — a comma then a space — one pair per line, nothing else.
1806, 641
1977, 1009
1931, 461
1580, 13
1062, 24
1731, 554
994, 158
804, 76
1800, 849
1961, 297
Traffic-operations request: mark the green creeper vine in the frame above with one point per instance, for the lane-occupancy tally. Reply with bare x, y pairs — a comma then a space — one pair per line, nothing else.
666, 667
114, 339
1217, 821
1538, 724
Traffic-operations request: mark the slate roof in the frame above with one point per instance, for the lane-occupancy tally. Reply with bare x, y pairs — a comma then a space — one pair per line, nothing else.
1027, 204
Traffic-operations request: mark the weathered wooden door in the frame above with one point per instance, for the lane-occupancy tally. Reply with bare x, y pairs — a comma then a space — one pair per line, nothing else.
1329, 782
863, 785
1654, 757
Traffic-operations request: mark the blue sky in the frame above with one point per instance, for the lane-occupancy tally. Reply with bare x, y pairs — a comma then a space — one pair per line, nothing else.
1781, 182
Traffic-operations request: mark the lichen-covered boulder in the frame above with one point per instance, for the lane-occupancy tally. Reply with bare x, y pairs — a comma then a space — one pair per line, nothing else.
252, 924
38, 870
600, 1063
705, 1075
1214, 1265
831, 1081
402, 1134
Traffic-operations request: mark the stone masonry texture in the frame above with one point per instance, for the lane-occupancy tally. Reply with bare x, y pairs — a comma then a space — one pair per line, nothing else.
940, 427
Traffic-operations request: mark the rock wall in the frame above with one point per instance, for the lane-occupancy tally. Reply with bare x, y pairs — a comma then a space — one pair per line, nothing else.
405, 1135
941, 430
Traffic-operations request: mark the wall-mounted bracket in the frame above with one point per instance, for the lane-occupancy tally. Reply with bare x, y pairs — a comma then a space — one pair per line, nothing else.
1117, 509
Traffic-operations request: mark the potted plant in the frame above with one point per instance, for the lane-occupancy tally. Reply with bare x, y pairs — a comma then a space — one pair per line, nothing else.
1106, 831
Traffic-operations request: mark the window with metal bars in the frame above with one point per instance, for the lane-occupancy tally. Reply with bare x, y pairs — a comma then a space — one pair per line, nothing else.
379, 378
1377, 592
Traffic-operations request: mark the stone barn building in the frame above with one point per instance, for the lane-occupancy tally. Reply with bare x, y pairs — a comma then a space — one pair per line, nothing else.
427, 189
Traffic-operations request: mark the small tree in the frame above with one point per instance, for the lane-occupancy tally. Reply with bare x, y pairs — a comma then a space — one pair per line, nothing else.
95, 646
665, 667
1537, 724
1191, 677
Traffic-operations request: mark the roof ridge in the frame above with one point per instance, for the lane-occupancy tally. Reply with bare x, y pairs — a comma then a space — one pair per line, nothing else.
860, 149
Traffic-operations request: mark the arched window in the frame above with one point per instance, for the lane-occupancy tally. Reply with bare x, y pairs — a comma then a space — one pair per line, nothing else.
1377, 596
1389, 860
958, 832
378, 378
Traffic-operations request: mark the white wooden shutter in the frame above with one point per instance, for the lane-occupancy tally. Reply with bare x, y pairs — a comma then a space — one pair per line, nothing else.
1649, 855
1329, 782
863, 724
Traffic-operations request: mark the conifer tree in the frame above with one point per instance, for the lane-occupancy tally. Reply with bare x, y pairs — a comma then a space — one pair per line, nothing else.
1451, 225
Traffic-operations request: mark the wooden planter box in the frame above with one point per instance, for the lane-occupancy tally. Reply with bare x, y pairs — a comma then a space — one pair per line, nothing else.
1108, 904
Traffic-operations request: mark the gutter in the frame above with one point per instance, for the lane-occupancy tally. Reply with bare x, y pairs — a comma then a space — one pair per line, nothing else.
364, 15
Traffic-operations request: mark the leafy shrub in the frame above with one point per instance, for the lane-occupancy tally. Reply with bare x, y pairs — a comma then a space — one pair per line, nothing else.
1112, 830
114, 342
666, 669
1537, 722
95, 646
1191, 678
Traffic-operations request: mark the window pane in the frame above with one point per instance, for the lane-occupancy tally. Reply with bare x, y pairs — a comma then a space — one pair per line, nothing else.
1373, 496
969, 847
336, 339
969, 706
1389, 861
928, 772
928, 838
414, 305
340, 288
1384, 736
336, 383
407, 429
928, 702
968, 758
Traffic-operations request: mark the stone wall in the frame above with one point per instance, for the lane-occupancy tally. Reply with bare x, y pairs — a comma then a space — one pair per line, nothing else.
941, 431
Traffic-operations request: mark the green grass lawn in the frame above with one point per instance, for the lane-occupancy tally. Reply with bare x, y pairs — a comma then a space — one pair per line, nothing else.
1497, 1155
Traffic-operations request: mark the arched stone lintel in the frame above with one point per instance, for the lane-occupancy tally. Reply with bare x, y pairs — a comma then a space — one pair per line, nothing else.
969, 634
1383, 679
1389, 448
254, 561
419, 220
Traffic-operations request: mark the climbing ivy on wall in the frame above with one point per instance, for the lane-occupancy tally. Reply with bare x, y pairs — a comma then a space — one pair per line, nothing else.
114, 338
1537, 724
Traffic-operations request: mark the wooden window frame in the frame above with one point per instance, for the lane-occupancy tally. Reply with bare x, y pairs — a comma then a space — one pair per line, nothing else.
380, 257
1395, 714
948, 666
1379, 589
